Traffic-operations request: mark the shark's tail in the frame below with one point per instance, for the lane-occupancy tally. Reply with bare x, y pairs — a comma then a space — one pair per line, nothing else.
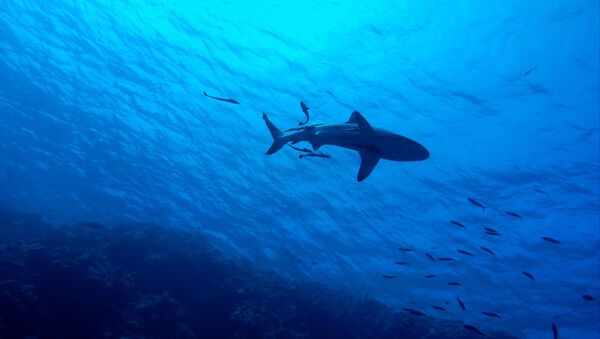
276, 133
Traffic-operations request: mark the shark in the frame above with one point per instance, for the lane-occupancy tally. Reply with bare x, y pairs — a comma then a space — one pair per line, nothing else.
357, 134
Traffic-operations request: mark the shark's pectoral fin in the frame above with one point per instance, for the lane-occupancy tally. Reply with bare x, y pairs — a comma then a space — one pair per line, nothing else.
368, 162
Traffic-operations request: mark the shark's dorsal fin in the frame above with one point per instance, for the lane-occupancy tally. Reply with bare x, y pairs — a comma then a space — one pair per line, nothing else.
352, 119
368, 161
363, 125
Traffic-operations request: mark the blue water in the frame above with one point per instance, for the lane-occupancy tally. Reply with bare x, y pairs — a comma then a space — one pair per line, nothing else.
102, 119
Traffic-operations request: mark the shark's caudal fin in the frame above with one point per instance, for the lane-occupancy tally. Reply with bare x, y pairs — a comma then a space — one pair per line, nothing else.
276, 133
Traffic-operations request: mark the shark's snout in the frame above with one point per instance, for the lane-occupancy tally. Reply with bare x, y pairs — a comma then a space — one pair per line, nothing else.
421, 152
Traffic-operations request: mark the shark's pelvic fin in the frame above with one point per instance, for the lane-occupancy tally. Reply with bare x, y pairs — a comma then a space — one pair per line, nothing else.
315, 144
368, 161
276, 133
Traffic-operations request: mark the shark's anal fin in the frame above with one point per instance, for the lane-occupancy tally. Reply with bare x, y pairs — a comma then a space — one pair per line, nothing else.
368, 161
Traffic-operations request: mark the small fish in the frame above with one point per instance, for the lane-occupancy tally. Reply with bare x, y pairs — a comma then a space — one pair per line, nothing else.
528, 71
474, 329
303, 149
485, 249
429, 276
406, 249
314, 155
491, 231
554, 331
588, 297
552, 240
454, 283
415, 312
430, 257
231, 101
457, 223
401, 263
513, 214
538, 89
302, 128
305, 110
439, 308
418, 313
537, 190
461, 304
491, 314
445, 259
463, 252
528, 275
476, 203
389, 276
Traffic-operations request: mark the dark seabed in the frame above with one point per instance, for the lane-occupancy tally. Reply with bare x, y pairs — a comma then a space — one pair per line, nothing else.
142, 280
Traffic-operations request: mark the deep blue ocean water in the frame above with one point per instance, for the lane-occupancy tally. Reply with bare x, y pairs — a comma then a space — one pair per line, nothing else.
102, 119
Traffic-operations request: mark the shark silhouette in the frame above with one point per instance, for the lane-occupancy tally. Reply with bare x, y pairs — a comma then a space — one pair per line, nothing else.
356, 134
